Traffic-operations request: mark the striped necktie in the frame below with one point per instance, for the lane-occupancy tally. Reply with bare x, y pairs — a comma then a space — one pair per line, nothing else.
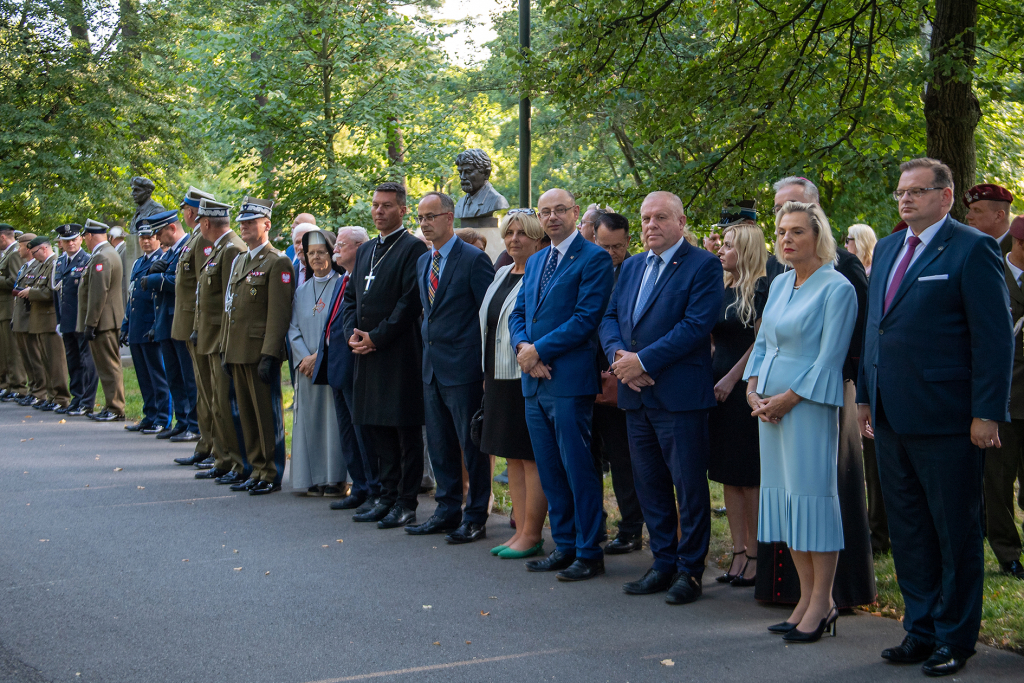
653, 268
435, 276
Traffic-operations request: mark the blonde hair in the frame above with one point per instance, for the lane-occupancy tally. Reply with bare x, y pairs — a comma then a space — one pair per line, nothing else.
529, 222
751, 257
825, 243
865, 239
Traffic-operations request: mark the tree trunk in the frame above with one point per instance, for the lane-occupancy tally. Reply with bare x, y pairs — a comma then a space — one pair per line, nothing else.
396, 149
267, 153
951, 109
74, 14
129, 19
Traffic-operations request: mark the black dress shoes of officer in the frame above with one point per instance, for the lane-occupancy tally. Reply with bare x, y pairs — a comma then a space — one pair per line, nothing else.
138, 426
184, 437
581, 570
11, 396
211, 474
397, 516
178, 428
247, 485
31, 401
435, 525
206, 463
264, 487
80, 411
1014, 569
910, 651
684, 589
230, 478
41, 406
376, 513
193, 459
367, 505
944, 661
624, 543
155, 429
349, 502
554, 562
63, 410
652, 582
467, 533
50, 406
107, 416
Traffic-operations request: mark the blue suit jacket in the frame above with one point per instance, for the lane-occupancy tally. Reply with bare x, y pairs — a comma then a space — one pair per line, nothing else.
943, 353
673, 335
140, 310
337, 371
452, 348
69, 274
561, 321
161, 285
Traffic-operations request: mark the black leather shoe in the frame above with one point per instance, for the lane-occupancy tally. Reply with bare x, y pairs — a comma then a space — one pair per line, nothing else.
184, 437
51, 406
137, 427
581, 570
684, 589
378, 512
62, 410
910, 651
246, 485
397, 516
107, 416
435, 525
178, 428
652, 582
467, 533
367, 505
944, 661
193, 459
211, 474
31, 402
554, 562
230, 478
206, 463
155, 429
624, 543
349, 502
1014, 569
263, 488
80, 411
12, 396
41, 406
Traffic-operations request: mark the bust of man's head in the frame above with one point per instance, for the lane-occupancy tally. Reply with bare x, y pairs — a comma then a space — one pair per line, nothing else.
474, 170
142, 189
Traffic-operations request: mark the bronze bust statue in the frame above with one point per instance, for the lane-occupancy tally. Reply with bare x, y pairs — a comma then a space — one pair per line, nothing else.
142, 191
475, 208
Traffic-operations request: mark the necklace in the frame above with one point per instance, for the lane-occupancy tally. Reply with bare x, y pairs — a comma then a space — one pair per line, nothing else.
318, 304
374, 265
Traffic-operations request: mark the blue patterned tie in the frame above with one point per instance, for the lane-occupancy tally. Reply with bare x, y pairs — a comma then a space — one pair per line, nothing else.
653, 268
549, 270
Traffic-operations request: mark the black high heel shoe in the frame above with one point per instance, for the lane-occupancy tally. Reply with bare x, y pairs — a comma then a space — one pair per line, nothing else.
727, 577
740, 581
827, 624
782, 627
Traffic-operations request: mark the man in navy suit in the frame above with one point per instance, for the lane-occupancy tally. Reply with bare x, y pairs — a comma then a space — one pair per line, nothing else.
333, 367
160, 281
933, 386
454, 276
81, 369
565, 291
657, 335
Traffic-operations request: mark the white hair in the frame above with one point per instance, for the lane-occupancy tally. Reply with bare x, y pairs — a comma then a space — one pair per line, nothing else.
355, 232
811, 194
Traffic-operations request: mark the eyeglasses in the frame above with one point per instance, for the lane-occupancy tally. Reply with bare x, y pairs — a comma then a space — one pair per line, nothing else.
558, 211
851, 239
914, 192
528, 212
429, 218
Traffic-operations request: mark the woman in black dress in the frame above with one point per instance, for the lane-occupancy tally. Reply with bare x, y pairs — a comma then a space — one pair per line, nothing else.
504, 430
735, 453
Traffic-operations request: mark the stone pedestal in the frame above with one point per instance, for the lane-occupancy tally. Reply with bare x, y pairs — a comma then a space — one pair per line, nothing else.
488, 227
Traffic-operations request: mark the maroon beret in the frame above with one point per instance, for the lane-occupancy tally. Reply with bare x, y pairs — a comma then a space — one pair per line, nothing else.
902, 225
1017, 228
987, 191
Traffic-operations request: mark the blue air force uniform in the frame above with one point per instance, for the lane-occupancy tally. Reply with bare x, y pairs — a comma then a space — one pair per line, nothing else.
137, 330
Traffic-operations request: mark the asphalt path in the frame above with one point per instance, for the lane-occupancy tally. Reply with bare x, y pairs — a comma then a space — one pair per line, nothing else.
117, 565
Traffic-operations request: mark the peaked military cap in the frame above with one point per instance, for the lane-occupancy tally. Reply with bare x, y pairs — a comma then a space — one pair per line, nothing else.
212, 209
95, 227
743, 210
144, 229
989, 191
193, 196
255, 208
158, 221
69, 231
38, 241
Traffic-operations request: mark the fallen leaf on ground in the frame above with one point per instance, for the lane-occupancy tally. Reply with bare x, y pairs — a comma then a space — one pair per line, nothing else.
62, 422
86, 486
428, 607
437, 642
667, 662
184, 560
118, 469
484, 614
140, 487
494, 597
469, 642
235, 551
31, 438
266, 573
24, 440
323, 546
340, 541
43, 540
238, 569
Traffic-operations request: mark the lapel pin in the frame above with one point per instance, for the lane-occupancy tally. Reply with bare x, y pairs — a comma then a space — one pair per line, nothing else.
941, 248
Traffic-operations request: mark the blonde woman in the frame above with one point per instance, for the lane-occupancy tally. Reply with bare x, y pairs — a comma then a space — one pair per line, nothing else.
860, 241
735, 456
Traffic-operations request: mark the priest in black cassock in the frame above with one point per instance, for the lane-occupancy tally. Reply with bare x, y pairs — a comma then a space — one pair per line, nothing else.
381, 311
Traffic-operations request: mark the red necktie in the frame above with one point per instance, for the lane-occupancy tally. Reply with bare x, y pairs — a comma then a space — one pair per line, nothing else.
901, 270
435, 270
337, 305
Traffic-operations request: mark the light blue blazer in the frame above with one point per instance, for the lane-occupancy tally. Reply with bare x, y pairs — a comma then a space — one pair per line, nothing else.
804, 337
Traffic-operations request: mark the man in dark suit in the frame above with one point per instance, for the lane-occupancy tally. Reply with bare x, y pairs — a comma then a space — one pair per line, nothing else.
988, 210
565, 290
934, 385
1004, 465
161, 280
334, 364
454, 276
657, 334
381, 311
81, 370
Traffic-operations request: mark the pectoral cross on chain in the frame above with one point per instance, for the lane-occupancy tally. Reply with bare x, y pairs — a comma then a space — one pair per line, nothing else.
369, 281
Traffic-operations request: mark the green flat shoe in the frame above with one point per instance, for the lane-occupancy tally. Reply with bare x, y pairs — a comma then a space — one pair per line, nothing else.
509, 554
496, 550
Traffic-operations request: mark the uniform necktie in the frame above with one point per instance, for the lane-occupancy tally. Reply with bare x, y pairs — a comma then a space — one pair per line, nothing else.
435, 276
901, 270
337, 305
549, 270
653, 268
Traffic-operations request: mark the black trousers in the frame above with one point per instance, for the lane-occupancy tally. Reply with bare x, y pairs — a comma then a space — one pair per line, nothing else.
1002, 467
399, 451
611, 444
878, 522
81, 370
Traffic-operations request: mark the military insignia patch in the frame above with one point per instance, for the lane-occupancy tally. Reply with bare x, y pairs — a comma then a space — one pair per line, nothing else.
286, 278
99, 267
208, 250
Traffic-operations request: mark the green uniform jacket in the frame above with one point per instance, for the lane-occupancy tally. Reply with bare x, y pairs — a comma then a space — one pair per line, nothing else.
27, 276
100, 304
260, 310
185, 285
42, 317
10, 264
214, 271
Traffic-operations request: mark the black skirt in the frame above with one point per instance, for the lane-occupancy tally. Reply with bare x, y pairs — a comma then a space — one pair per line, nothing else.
505, 433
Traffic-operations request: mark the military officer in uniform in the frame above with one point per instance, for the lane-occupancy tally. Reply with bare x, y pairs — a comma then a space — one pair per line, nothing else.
67, 276
988, 210
100, 312
13, 382
36, 393
213, 267
42, 326
258, 310
138, 335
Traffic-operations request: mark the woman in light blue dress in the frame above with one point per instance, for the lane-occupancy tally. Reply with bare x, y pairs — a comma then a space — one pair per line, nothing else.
795, 387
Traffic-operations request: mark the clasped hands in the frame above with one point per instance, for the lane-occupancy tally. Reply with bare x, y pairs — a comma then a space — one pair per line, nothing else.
628, 370
530, 363
307, 364
361, 343
773, 408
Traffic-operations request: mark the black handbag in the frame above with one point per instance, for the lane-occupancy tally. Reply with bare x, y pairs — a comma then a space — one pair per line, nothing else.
476, 425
